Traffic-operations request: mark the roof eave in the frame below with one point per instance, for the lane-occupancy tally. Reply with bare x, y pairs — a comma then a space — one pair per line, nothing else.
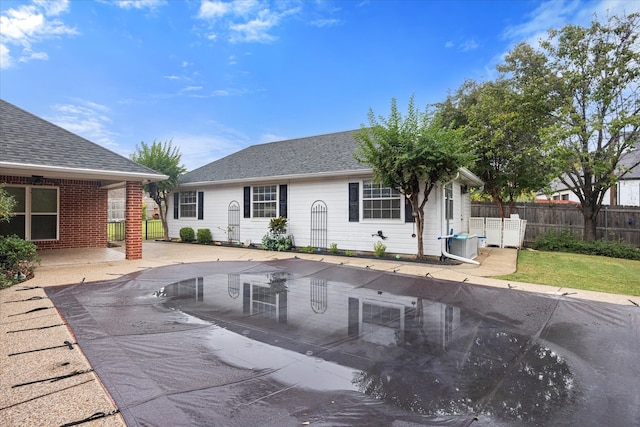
25, 169
306, 176
470, 178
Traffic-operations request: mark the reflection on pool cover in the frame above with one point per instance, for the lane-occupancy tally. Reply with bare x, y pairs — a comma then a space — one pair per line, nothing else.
288, 342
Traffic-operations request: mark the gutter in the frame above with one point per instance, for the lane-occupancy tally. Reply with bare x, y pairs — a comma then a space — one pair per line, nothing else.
64, 172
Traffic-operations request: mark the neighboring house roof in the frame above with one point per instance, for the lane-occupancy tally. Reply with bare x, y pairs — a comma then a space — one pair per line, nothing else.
628, 160
30, 145
321, 155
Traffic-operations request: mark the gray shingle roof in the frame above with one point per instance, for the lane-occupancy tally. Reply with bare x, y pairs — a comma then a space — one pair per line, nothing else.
316, 154
630, 159
28, 139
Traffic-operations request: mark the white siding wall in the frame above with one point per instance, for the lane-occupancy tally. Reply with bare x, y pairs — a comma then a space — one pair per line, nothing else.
629, 192
355, 236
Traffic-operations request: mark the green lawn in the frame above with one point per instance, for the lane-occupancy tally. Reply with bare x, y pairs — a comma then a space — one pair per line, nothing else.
588, 272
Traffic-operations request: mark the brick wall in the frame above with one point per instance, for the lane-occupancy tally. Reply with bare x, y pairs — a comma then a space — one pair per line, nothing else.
133, 221
83, 213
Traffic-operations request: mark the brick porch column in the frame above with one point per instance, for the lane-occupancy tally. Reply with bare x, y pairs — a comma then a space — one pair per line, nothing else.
133, 231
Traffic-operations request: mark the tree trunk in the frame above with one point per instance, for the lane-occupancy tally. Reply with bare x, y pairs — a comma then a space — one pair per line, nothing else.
162, 210
498, 201
589, 214
419, 229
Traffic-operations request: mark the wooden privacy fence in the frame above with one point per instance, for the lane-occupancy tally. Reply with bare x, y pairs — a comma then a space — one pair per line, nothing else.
619, 223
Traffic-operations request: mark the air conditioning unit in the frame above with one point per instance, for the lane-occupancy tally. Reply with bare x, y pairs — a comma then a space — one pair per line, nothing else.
464, 245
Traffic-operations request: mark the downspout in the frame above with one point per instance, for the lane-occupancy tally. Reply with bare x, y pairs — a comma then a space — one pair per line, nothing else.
456, 257
444, 238
444, 208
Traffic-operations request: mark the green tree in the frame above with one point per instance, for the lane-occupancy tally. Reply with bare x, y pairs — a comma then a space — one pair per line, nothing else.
412, 154
163, 158
504, 126
7, 204
595, 73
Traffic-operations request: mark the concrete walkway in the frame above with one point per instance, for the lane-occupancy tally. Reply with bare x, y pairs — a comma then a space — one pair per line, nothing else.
29, 322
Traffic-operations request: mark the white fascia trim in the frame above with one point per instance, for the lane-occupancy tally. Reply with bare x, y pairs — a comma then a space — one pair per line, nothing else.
308, 176
470, 177
63, 172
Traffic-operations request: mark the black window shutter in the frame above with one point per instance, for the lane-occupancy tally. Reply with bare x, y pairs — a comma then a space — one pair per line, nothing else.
354, 206
282, 201
176, 205
200, 204
247, 202
408, 211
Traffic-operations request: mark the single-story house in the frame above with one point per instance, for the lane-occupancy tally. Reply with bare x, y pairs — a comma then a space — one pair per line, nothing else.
60, 181
625, 193
326, 194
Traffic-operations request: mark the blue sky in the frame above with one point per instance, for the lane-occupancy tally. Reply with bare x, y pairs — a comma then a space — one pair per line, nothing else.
217, 76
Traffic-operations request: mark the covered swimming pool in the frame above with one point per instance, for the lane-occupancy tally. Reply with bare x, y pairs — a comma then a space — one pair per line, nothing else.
296, 342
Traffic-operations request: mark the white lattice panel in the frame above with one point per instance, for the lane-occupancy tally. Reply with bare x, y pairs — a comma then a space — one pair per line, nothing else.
511, 233
493, 231
476, 226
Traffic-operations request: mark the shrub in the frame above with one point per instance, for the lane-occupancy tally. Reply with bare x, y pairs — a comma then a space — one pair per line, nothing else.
308, 249
565, 241
278, 225
333, 248
348, 253
18, 259
272, 242
187, 234
204, 235
379, 249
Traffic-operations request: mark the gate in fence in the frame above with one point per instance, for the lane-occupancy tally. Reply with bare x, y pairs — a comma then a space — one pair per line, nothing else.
151, 229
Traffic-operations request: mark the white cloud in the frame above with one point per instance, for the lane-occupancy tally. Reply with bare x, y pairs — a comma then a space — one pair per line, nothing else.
550, 14
256, 30
87, 119
53, 7
28, 56
271, 137
27, 25
329, 22
198, 150
213, 9
558, 13
191, 88
463, 46
243, 20
5, 57
468, 45
140, 4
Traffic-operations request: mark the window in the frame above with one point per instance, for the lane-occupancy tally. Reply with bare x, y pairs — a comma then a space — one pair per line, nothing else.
36, 213
380, 202
264, 302
188, 204
565, 197
380, 315
265, 199
448, 201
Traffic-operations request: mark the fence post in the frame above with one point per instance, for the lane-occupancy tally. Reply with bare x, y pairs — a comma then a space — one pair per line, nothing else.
606, 223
